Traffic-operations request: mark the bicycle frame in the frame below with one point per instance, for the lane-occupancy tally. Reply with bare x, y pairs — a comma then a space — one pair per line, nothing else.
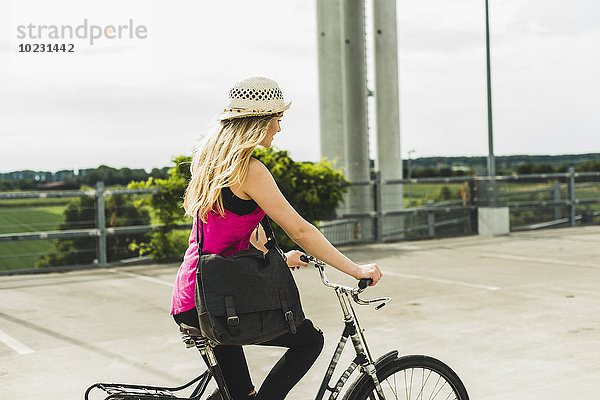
363, 360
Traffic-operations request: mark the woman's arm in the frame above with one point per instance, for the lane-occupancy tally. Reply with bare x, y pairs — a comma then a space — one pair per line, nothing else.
261, 187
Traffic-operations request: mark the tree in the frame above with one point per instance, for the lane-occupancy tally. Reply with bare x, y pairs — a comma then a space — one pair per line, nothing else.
543, 168
120, 210
314, 190
445, 171
589, 166
167, 204
525, 168
426, 172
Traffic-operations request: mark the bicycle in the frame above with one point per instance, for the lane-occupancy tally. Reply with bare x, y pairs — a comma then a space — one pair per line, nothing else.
388, 377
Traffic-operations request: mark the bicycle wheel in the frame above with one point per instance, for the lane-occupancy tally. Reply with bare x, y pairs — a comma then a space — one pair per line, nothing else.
413, 378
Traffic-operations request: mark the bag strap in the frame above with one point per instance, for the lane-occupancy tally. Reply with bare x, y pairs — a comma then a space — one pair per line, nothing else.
271, 240
266, 224
199, 237
233, 321
287, 313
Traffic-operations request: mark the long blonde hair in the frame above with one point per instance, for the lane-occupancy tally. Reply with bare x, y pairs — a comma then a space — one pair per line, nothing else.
221, 160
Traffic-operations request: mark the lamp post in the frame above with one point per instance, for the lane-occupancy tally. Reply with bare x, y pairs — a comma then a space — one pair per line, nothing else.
410, 177
491, 162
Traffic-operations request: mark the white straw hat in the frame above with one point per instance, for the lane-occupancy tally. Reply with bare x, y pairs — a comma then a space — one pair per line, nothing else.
252, 97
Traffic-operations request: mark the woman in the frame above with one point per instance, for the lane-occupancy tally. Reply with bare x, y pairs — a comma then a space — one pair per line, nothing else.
232, 192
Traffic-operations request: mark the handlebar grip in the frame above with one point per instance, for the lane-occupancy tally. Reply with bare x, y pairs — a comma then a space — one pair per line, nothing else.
364, 282
304, 258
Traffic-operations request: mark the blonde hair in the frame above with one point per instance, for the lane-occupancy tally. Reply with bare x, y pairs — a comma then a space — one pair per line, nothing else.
221, 160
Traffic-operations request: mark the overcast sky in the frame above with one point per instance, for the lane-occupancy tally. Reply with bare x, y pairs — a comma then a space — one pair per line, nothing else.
140, 102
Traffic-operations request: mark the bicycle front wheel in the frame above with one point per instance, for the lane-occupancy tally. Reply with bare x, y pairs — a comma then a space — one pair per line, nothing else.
413, 378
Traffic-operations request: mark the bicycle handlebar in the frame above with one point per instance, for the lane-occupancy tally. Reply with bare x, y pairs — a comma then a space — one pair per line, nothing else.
364, 282
354, 292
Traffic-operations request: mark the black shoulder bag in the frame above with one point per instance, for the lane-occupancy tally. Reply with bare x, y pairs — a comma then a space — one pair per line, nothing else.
246, 298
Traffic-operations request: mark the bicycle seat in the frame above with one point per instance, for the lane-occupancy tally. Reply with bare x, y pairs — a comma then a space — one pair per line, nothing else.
191, 331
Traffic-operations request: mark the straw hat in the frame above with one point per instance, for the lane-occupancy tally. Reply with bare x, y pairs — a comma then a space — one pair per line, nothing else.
252, 97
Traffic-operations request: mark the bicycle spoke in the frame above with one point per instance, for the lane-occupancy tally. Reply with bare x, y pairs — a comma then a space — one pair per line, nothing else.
422, 379
424, 388
424, 383
441, 387
450, 394
435, 387
412, 371
395, 390
405, 385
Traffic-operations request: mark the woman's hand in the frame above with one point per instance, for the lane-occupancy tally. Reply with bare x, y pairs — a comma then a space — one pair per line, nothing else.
292, 258
371, 271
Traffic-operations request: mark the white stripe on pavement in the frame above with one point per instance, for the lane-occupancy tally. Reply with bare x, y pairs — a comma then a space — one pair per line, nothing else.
142, 277
14, 343
439, 280
538, 260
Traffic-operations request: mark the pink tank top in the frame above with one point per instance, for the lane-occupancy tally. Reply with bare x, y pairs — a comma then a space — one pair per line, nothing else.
222, 235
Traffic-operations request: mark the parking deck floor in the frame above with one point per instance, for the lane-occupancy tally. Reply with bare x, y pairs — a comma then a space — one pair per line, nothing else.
515, 316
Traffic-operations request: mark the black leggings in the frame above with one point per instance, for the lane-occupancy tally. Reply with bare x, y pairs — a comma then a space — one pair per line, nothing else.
303, 349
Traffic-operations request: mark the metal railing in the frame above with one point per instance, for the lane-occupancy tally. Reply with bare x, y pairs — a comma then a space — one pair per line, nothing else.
535, 201
25, 238
32, 224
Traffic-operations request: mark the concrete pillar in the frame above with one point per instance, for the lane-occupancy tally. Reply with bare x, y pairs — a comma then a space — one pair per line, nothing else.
354, 78
329, 44
387, 113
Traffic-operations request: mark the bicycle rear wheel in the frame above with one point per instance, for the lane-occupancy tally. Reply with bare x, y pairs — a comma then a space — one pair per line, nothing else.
413, 377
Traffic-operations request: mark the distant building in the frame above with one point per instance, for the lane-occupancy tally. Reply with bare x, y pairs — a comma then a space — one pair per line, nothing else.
461, 168
58, 186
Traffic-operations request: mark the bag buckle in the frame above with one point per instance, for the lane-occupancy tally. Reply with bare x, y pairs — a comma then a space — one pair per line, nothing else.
232, 325
289, 317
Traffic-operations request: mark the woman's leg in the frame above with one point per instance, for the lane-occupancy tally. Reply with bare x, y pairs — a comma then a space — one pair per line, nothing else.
235, 371
303, 349
231, 359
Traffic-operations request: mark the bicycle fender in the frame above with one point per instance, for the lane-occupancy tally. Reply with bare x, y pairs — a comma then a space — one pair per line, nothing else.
379, 363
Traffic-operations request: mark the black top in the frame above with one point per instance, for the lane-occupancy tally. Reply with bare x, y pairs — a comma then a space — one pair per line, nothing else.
234, 204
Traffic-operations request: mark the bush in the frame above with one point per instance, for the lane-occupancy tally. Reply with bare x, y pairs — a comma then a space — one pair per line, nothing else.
525, 168
313, 189
120, 210
167, 205
543, 168
588, 166
445, 171
444, 194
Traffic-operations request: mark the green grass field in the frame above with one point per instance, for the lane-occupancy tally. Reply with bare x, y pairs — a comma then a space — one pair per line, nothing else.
31, 219
34, 215
27, 216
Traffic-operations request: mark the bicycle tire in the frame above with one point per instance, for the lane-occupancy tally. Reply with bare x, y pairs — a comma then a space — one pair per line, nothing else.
413, 377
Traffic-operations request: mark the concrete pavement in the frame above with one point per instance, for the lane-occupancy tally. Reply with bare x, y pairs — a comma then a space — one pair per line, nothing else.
515, 316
